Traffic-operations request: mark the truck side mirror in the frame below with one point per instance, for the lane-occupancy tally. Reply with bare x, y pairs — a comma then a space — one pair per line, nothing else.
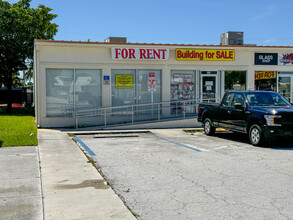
238, 106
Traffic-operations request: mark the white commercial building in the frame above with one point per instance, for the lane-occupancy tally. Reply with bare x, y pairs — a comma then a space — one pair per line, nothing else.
85, 78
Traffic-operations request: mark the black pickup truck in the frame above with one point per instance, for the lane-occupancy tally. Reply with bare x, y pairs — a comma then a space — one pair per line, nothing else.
260, 114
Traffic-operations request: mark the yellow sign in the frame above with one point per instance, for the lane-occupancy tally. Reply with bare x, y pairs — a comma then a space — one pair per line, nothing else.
206, 55
124, 81
265, 75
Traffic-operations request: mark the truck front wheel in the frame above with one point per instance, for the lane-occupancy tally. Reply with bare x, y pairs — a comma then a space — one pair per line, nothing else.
208, 127
256, 137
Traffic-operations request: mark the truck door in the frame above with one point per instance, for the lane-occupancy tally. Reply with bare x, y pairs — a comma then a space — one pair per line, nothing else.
223, 111
237, 118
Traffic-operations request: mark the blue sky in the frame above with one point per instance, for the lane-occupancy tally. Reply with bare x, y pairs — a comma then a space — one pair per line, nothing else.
264, 22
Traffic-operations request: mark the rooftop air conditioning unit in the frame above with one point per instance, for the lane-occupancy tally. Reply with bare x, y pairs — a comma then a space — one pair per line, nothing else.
116, 40
232, 38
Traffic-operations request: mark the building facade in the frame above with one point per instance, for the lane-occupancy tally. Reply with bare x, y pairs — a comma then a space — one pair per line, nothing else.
87, 76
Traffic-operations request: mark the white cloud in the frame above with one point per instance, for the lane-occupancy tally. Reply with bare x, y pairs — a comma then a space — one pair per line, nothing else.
269, 10
259, 17
270, 40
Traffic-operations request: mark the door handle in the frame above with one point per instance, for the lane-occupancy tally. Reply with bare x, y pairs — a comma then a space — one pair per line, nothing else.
229, 112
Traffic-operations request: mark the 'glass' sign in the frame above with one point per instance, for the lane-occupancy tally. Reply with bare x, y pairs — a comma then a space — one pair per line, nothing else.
266, 59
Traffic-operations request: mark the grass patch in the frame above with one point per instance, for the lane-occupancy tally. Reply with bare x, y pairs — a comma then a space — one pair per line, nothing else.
18, 130
71, 134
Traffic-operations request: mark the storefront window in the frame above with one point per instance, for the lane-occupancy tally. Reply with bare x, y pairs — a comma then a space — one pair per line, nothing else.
265, 80
60, 99
285, 86
182, 85
131, 87
148, 86
235, 80
123, 87
88, 89
285, 82
182, 88
59, 96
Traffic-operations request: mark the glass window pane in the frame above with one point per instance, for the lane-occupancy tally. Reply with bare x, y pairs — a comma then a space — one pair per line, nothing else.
123, 87
208, 87
285, 86
235, 80
182, 85
59, 92
238, 99
88, 88
226, 99
148, 93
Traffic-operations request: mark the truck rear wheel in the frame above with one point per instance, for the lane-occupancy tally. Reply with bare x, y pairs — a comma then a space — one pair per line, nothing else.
256, 137
208, 127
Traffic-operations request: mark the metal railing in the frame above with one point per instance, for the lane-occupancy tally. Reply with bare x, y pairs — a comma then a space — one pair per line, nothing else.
137, 113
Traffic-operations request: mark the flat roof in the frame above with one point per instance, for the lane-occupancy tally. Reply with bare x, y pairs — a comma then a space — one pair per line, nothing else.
156, 44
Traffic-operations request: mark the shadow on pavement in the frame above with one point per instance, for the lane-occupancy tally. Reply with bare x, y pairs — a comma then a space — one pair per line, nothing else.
276, 144
232, 136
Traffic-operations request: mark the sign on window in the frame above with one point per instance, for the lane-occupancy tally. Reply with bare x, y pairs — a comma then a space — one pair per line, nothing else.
124, 81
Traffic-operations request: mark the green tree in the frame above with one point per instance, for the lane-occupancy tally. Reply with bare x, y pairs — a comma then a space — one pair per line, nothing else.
19, 26
17, 81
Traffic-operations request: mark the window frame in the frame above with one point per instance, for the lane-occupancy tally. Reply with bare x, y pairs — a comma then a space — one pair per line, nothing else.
229, 103
70, 112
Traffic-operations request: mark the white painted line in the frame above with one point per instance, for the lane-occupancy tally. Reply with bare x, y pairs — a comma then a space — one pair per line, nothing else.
191, 146
222, 147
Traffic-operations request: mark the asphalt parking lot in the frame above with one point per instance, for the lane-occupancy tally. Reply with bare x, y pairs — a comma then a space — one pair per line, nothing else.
171, 174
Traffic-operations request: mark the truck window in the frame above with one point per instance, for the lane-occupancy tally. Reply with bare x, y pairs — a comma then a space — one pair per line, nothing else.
226, 99
280, 100
238, 98
252, 99
266, 99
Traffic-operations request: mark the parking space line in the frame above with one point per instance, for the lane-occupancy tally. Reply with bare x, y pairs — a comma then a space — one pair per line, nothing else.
173, 142
85, 146
218, 148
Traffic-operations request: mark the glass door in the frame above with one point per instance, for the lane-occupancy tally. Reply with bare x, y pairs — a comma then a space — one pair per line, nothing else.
285, 83
209, 88
123, 87
148, 86
148, 91
130, 87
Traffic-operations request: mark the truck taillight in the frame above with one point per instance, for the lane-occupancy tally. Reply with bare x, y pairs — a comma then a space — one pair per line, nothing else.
198, 110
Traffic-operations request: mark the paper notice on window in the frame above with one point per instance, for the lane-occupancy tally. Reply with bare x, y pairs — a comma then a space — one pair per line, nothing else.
180, 78
124, 81
209, 83
208, 88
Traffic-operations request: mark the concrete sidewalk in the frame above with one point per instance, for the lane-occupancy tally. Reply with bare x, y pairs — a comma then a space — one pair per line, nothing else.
20, 183
54, 181
72, 187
